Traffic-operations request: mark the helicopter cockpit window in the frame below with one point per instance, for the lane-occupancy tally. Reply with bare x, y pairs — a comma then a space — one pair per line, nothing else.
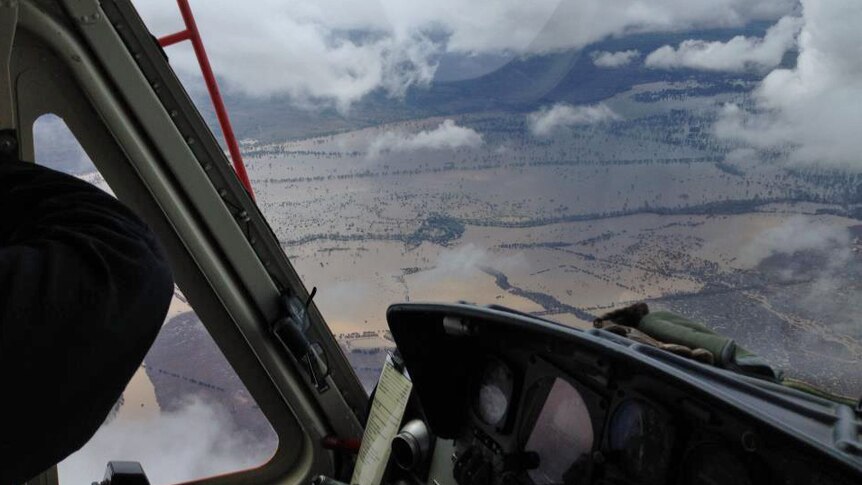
185, 415
557, 158
56, 147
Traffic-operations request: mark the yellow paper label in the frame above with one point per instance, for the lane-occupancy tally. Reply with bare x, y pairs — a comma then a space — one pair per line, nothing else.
387, 411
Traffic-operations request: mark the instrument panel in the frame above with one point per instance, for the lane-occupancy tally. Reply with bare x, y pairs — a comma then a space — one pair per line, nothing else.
515, 401
493, 393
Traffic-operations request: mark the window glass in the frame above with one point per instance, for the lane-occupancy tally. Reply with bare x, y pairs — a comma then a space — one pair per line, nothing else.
562, 157
56, 147
185, 414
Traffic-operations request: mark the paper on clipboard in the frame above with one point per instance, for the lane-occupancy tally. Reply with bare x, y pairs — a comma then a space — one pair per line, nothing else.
387, 411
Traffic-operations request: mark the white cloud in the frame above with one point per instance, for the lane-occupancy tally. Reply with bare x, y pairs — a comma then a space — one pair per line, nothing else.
547, 25
614, 59
190, 443
742, 157
799, 233
820, 254
337, 51
547, 120
303, 49
447, 135
804, 234
467, 261
814, 110
738, 54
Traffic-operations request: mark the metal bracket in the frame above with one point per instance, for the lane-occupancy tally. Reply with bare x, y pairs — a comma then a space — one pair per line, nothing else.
292, 331
8, 24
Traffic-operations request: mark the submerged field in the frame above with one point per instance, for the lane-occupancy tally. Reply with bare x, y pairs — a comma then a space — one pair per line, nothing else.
646, 207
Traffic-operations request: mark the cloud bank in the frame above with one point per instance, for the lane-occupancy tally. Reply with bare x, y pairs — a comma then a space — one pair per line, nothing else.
813, 111
334, 52
191, 443
614, 59
547, 120
447, 135
738, 54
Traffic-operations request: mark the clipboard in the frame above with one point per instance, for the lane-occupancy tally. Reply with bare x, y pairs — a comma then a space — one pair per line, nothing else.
384, 420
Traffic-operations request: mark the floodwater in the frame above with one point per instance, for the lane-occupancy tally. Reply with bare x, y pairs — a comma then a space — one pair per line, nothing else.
139, 399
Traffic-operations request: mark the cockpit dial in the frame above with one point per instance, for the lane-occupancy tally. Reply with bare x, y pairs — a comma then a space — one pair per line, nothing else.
494, 394
641, 439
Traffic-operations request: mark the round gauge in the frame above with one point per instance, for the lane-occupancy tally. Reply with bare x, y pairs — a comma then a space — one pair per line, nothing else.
642, 438
494, 393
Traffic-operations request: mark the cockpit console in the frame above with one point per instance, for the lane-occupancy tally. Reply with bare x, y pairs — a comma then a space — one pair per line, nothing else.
508, 398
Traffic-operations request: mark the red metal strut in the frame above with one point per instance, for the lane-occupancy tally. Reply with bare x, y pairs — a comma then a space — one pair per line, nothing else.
192, 34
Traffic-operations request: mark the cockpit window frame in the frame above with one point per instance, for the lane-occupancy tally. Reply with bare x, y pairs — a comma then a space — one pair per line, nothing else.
71, 61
